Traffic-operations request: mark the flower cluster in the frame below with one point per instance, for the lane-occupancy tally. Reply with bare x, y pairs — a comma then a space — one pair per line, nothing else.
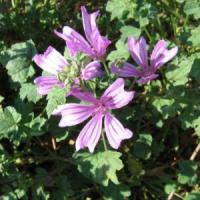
70, 73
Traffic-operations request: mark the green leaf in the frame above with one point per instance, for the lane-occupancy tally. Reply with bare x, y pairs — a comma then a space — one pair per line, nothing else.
1, 99
188, 172
40, 193
20, 193
120, 8
142, 146
22, 49
196, 126
62, 135
127, 31
63, 189
121, 52
19, 69
193, 196
100, 167
116, 192
55, 97
192, 7
194, 39
18, 61
170, 187
144, 21
29, 91
195, 72
9, 196
9, 119
135, 166
178, 73
35, 126
165, 106
38, 190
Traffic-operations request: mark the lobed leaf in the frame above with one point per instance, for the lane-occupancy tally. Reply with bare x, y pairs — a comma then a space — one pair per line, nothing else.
101, 167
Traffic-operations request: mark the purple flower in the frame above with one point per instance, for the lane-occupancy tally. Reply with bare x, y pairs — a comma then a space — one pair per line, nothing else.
138, 50
91, 71
95, 46
54, 63
113, 98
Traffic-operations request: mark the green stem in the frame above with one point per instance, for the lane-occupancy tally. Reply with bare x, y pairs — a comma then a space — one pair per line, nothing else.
106, 68
13, 3
185, 21
160, 27
147, 33
104, 140
173, 25
169, 9
82, 83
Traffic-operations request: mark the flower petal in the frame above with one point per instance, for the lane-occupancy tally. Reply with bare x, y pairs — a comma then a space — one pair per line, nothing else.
91, 71
45, 84
158, 49
89, 22
115, 96
51, 61
168, 55
115, 131
98, 42
138, 50
83, 95
75, 42
73, 113
90, 134
160, 54
128, 70
146, 79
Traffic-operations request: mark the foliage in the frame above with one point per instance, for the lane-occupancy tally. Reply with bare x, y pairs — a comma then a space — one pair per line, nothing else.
37, 158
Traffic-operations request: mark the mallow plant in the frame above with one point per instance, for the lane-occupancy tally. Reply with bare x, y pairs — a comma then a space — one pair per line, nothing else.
100, 106
85, 62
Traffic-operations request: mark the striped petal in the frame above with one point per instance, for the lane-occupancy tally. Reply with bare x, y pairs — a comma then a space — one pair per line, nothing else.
89, 22
90, 134
115, 96
128, 70
51, 61
115, 131
160, 54
138, 50
98, 42
91, 71
83, 95
74, 41
46, 83
146, 79
73, 113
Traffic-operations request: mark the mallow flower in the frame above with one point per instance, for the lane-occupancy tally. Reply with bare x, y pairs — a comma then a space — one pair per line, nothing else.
72, 114
138, 50
61, 71
95, 46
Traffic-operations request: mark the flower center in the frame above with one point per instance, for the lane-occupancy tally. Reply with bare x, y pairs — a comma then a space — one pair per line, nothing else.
68, 74
148, 72
100, 108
